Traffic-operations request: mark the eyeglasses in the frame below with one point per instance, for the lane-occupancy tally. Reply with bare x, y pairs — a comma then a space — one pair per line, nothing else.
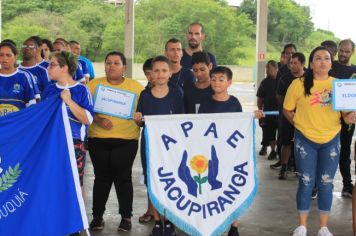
28, 46
51, 65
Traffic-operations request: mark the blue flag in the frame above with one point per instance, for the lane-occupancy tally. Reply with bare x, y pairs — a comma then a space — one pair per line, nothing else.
39, 184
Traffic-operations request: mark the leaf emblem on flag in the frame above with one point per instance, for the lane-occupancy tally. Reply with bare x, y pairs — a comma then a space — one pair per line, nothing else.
10, 177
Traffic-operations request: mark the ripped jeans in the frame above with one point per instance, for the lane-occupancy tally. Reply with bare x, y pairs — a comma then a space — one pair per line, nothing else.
316, 163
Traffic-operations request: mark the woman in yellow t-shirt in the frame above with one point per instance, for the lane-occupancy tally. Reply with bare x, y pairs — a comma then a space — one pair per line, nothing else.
113, 144
307, 106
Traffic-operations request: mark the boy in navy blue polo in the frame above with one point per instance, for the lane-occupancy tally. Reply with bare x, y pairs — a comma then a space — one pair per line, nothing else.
220, 102
198, 92
159, 99
146, 217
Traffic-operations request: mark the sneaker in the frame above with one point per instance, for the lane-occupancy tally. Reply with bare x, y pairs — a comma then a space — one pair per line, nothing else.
272, 155
263, 151
347, 192
300, 231
324, 231
97, 224
157, 229
314, 193
276, 166
125, 225
234, 231
169, 229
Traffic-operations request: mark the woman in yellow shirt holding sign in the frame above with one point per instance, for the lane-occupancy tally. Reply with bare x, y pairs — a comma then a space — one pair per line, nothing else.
308, 107
113, 140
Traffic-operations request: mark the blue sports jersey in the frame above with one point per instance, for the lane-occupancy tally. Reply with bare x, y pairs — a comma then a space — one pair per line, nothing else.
79, 76
40, 75
213, 106
44, 64
84, 67
89, 65
80, 95
33, 83
16, 92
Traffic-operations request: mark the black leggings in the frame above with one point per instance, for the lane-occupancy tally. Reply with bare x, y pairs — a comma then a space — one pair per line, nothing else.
112, 160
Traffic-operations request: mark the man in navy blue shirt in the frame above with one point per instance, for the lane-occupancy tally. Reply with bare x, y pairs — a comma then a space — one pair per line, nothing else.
195, 37
288, 50
180, 76
286, 129
266, 101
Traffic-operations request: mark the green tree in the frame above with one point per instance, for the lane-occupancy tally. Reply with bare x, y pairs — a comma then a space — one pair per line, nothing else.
44, 24
114, 32
287, 20
224, 30
13, 8
93, 19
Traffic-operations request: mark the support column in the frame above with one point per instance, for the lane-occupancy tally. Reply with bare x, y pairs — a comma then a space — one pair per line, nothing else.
0, 21
129, 36
261, 40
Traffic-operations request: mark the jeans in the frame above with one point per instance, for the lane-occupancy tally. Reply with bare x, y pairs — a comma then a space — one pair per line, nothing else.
112, 160
316, 165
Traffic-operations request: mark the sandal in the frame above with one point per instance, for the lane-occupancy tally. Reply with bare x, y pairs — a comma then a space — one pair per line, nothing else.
145, 218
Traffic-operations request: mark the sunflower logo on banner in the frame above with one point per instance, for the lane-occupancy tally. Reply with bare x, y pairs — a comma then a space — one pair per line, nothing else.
199, 163
201, 169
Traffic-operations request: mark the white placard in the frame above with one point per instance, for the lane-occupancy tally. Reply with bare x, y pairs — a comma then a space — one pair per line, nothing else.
344, 94
114, 102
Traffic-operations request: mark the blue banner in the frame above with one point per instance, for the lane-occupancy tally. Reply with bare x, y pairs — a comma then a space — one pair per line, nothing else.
39, 184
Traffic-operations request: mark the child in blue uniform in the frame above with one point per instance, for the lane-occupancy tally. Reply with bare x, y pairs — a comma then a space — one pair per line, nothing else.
77, 99
160, 99
148, 215
16, 91
30, 48
200, 91
220, 102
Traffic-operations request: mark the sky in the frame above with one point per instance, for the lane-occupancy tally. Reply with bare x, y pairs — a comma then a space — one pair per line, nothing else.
337, 16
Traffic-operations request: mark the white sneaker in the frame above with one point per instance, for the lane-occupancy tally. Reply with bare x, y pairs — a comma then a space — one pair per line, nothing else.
300, 231
324, 231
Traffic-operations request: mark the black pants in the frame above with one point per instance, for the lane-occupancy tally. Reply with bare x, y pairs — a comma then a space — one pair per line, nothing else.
112, 161
345, 152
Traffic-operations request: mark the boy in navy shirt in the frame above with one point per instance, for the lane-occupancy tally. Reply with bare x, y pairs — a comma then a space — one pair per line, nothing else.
160, 99
200, 91
220, 102
148, 215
